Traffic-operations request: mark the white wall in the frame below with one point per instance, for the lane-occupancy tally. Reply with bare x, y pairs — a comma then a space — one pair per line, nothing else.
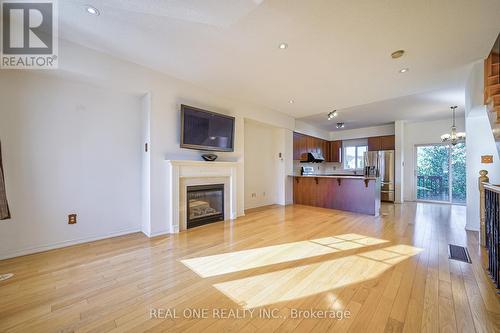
425, 132
146, 164
362, 132
480, 141
305, 128
285, 167
399, 184
266, 173
67, 148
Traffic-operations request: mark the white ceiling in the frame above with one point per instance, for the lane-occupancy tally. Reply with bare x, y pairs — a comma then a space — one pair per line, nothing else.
426, 106
338, 55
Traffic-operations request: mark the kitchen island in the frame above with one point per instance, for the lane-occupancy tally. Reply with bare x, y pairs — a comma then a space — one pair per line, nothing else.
351, 193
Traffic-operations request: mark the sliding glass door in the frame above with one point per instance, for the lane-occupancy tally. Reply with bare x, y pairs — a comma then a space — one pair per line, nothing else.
440, 173
458, 172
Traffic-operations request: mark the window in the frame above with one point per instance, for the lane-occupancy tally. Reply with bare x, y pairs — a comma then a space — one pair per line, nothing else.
354, 151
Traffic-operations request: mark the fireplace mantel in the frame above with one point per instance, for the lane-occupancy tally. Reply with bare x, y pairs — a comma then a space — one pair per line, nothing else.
181, 174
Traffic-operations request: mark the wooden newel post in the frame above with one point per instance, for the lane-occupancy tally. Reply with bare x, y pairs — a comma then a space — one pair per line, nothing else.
483, 178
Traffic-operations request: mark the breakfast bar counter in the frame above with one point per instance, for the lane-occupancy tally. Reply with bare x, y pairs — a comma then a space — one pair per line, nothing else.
351, 193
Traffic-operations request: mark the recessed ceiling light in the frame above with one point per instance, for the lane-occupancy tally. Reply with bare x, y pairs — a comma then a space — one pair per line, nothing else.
92, 10
404, 70
340, 125
291, 101
397, 54
283, 46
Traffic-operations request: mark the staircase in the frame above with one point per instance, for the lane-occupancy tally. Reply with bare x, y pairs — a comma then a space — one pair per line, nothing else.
492, 90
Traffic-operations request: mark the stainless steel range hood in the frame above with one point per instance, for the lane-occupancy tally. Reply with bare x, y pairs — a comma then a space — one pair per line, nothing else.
313, 157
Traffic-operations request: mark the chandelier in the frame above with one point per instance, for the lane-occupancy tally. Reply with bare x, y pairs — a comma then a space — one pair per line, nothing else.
453, 137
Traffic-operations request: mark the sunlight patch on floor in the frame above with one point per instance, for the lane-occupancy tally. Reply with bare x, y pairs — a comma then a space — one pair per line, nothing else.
270, 255
247, 259
311, 279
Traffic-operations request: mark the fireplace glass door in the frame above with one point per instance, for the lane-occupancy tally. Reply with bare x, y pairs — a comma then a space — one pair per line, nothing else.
205, 204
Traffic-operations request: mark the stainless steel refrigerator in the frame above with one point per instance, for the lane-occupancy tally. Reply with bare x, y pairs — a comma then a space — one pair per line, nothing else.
381, 164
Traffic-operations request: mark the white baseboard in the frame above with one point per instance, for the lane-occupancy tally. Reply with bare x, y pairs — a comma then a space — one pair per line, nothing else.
468, 228
167, 232
158, 233
58, 245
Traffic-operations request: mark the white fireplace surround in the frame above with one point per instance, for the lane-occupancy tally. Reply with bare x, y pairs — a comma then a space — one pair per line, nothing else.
182, 174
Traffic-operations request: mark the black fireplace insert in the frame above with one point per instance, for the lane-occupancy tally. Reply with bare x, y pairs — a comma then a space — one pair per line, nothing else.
205, 204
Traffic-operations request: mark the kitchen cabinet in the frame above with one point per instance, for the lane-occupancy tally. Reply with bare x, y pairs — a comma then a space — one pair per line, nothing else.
302, 145
306, 192
354, 194
330, 150
325, 149
306, 144
335, 151
386, 142
374, 143
312, 144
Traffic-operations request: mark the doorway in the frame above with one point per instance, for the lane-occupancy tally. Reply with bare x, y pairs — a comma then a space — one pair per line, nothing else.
440, 173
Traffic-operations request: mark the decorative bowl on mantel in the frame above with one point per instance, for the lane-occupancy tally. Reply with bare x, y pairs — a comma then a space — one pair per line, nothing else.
209, 157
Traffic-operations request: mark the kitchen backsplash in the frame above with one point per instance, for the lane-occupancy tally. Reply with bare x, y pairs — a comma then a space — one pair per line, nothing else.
322, 168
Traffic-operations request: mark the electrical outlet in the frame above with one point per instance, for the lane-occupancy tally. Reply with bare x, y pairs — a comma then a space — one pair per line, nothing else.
72, 219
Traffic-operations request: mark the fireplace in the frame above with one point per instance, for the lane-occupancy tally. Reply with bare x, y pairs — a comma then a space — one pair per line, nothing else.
205, 204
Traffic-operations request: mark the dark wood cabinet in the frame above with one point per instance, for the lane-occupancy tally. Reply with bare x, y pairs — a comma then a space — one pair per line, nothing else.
318, 143
318, 146
305, 192
325, 150
335, 151
302, 145
332, 150
386, 142
305, 144
311, 144
374, 143
354, 195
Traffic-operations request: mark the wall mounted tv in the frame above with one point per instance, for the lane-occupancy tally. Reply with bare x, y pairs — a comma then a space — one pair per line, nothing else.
206, 130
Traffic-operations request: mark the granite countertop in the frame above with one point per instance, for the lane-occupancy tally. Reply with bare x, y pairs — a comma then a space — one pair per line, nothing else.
361, 177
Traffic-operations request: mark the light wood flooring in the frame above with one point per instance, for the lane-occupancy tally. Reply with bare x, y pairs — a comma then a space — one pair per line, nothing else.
386, 274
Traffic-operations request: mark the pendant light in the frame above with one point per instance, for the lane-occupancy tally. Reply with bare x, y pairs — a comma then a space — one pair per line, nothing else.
453, 137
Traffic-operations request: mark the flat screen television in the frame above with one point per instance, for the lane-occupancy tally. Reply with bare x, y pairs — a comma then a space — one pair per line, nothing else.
206, 130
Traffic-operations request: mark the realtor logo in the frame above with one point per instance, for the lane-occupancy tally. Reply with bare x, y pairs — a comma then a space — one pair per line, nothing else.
29, 34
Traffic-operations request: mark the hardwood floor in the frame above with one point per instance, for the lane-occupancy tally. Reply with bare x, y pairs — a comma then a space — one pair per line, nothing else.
385, 274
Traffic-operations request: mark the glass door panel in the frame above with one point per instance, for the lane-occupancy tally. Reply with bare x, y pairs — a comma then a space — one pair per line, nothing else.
458, 172
432, 172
